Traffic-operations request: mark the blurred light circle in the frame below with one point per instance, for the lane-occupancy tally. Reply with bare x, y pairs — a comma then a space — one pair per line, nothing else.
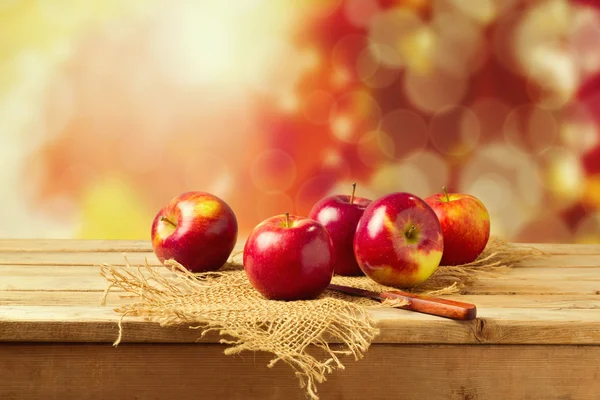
387, 29
460, 50
354, 114
374, 148
407, 131
360, 12
517, 188
529, 128
370, 70
332, 160
455, 130
423, 174
553, 77
584, 40
317, 106
273, 204
273, 171
578, 129
541, 53
481, 11
494, 190
432, 91
491, 114
562, 174
344, 58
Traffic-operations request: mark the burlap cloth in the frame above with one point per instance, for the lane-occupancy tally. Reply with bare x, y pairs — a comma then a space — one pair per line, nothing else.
298, 333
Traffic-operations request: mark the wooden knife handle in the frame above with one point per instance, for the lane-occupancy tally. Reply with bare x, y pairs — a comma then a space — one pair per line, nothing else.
434, 305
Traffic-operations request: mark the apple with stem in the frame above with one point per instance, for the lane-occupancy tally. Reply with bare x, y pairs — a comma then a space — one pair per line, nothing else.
289, 257
465, 225
339, 214
197, 229
398, 240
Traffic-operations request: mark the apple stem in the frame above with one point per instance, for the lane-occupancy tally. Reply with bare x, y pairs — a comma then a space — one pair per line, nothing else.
168, 221
353, 190
446, 193
287, 220
410, 232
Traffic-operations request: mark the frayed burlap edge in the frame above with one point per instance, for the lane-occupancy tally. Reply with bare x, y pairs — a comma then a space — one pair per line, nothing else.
309, 336
225, 302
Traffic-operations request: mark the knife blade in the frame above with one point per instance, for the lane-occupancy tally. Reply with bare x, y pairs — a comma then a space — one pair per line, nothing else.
423, 304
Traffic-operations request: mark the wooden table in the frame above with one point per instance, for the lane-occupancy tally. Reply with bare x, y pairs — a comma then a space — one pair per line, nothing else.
537, 337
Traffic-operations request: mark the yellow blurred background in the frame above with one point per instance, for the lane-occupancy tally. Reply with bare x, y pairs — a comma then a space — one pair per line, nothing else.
108, 109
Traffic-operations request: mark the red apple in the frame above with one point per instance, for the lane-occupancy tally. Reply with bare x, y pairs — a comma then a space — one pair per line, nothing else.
339, 214
196, 229
289, 258
398, 240
465, 225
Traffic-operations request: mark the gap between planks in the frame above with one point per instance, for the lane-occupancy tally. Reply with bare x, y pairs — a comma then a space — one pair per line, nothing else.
493, 326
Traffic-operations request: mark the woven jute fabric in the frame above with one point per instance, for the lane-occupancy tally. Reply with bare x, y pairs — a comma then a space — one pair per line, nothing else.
298, 333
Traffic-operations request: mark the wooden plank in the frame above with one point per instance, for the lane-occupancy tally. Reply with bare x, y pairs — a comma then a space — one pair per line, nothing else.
140, 257
494, 326
88, 371
564, 248
91, 245
57, 298
75, 259
73, 245
519, 280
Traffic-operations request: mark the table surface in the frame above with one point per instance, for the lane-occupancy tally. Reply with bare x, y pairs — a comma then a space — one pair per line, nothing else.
50, 291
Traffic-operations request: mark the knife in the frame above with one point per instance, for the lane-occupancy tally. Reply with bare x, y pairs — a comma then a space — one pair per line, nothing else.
423, 304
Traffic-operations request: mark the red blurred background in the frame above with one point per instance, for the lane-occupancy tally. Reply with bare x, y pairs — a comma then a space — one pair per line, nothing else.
113, 109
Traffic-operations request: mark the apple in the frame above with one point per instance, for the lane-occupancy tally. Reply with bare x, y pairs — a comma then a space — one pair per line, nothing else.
465, 225
288, 257
339, 214
398, 240
196, 229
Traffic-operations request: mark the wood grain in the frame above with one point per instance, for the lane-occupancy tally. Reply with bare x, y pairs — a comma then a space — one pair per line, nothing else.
82, 258
88, 371
515, 281
494, 325
50, 291
90, 298
78, 245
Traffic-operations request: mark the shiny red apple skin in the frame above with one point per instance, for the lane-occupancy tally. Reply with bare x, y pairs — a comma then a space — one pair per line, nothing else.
289, 263
340, 217
205, 233
386, 251
465, 225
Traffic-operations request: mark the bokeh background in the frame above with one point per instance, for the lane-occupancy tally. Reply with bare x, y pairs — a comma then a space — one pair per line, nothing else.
108, 109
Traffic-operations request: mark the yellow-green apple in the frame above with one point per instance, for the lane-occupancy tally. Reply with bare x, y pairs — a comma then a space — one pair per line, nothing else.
289, 258
197, 229
398, 240
339, 214
465, 225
